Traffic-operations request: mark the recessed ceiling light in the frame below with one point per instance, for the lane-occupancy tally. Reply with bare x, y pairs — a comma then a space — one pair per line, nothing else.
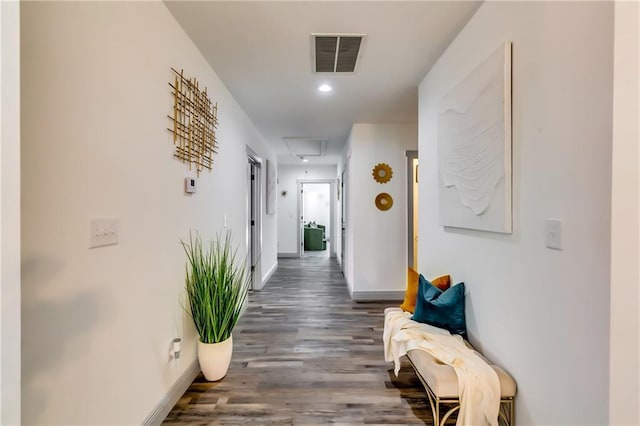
324, 88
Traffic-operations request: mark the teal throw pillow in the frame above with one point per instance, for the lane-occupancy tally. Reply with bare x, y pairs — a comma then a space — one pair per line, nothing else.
443, 309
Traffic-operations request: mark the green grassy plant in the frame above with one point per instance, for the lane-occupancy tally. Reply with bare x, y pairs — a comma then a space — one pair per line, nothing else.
217, 283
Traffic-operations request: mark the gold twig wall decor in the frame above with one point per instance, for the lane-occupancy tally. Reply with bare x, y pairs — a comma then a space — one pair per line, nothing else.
194, 123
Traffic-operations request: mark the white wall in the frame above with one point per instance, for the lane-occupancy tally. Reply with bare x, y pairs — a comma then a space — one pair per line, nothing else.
541, 314
10, 213
97, 324
377, 240
624, 383
288, 205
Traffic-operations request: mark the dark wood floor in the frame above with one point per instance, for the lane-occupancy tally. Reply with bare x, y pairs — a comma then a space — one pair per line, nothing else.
304, 353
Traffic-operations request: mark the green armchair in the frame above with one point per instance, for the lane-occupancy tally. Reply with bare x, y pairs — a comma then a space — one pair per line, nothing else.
314, 238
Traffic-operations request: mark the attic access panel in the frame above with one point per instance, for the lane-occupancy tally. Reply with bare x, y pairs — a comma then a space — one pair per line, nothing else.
336, 52
306, 146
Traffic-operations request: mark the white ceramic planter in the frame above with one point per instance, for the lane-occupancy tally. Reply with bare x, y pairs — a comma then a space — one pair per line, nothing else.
215, 358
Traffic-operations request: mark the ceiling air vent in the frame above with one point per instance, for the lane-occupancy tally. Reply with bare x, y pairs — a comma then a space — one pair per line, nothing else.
336, 52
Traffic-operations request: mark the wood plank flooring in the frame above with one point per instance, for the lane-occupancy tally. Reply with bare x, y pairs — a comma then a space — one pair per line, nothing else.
304, 353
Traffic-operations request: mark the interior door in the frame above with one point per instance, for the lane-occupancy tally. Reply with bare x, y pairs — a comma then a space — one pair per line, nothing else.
252, 220
301, 218
343, 225
253, 225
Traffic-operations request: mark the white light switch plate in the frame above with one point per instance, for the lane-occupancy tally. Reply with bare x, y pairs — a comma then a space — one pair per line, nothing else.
103, 232
553, 234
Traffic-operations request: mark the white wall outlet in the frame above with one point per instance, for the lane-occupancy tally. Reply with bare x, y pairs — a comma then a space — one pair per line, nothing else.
553, 234
103, 232
176, 348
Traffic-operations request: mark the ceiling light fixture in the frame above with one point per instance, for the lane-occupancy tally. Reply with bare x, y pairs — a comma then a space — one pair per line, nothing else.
305, 160
324, 88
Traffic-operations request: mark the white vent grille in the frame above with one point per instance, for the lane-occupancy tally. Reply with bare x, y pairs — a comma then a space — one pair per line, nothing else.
336, 52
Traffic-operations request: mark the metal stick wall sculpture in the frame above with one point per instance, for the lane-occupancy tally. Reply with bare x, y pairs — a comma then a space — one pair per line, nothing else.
194, 123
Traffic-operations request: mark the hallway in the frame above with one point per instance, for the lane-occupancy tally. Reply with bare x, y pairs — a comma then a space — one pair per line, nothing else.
304, 353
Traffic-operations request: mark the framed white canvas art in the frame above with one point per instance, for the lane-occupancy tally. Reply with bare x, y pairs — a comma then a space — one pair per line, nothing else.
474, 148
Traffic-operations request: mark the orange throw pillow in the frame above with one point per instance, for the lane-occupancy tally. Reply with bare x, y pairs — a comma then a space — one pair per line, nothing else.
443, 282
411, 294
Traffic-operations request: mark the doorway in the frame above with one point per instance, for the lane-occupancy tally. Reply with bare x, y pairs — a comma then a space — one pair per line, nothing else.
316, 208
254, 215
412, 208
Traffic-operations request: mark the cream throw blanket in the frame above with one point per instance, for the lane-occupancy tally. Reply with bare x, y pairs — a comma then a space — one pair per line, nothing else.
477, 382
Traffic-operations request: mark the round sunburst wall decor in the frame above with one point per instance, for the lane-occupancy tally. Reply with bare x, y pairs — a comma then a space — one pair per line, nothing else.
384, 201
382, 173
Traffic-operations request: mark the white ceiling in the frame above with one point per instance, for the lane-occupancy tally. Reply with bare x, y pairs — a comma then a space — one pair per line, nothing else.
262, 52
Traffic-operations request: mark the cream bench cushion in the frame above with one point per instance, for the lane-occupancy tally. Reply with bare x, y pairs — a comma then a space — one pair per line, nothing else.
441, 383
442, 378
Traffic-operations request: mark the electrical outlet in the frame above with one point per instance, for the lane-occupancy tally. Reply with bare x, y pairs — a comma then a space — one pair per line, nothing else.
553, 234
103, 232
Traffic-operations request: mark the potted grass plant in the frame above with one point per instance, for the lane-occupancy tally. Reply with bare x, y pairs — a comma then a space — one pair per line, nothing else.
217, 282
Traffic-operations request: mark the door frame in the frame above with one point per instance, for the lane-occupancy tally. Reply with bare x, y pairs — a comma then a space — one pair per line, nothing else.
254, 212
411, 175
332, 214
343, 220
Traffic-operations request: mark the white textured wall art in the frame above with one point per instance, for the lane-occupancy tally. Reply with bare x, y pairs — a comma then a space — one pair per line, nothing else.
474, 148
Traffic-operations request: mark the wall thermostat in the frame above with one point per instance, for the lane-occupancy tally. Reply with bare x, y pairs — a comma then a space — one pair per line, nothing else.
189, 185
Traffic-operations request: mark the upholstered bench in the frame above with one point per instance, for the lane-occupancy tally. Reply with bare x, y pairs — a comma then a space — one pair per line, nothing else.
441, 383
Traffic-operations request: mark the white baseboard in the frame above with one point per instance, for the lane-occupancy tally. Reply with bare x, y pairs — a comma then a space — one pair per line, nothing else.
363, 296
269, 274
286, 255
178, 389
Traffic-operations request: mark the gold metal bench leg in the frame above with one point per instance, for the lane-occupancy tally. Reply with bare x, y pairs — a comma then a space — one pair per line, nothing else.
449, 413
512, 413
507, 413
435, 408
